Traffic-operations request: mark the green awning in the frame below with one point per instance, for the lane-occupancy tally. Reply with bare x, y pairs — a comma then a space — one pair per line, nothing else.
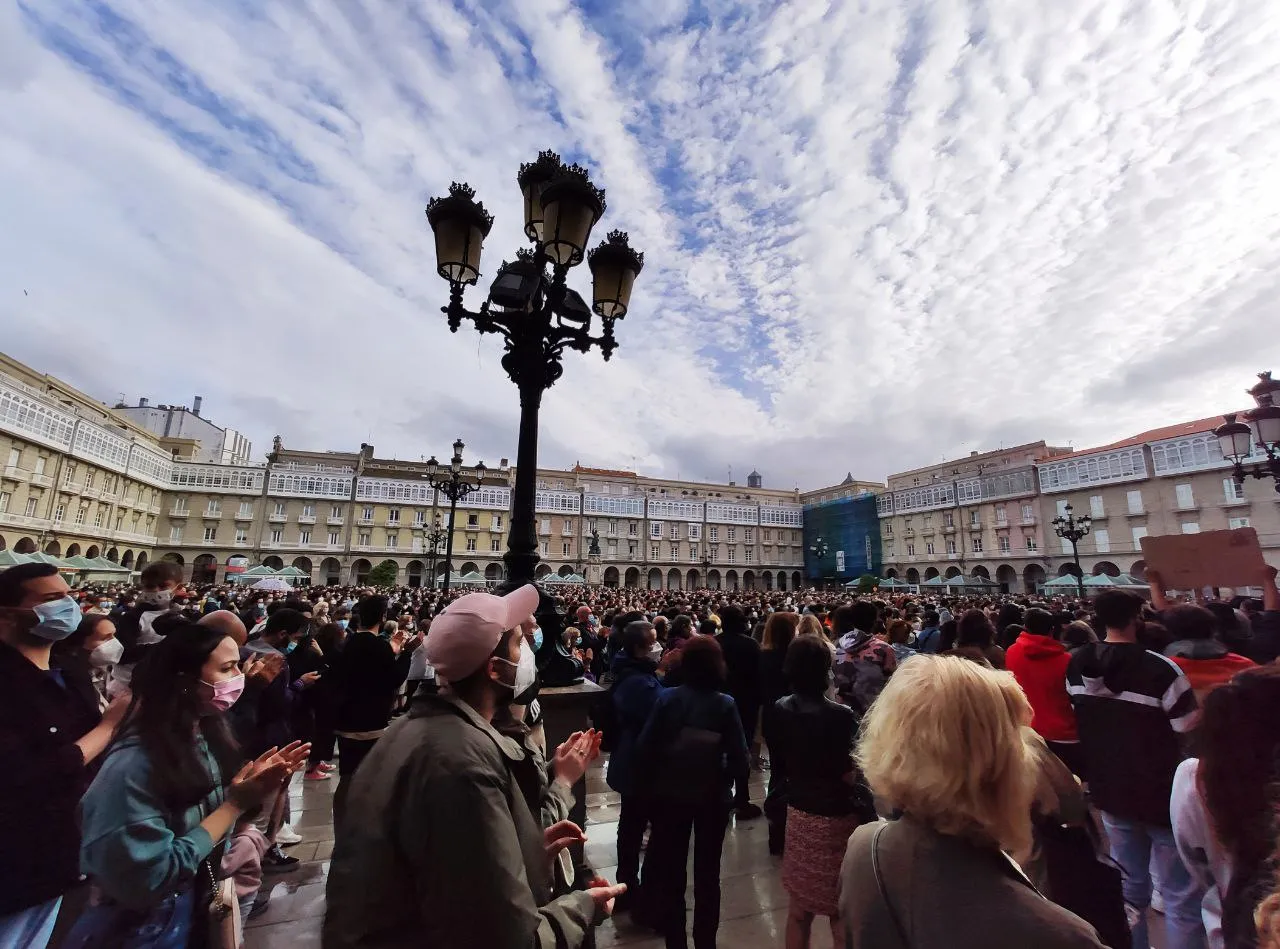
292, 572
9, 559
260, 570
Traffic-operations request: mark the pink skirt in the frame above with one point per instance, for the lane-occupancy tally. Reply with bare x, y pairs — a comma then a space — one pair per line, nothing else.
811, 859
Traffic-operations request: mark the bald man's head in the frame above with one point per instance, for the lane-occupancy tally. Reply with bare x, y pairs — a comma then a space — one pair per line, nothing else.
228, 624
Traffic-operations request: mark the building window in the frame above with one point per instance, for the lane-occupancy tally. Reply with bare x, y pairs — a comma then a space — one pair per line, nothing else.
242, 536
713, 533
1190, 527
97, 517
888, 552
747, 554
1002, 515
675, 551
367, 513
1235, 522
929, 548
364, 539
59, 513
731, 534
5, 498
88, 480
768, 535
911, 550
976, 543
542, 548
673, 531
15, 456
1186, 499
495, 545
335, 510
1232, 490
41, 462
471, 545
393, 515
1096, 507
1028, 513
714, 552
948, 519
304, 537
1003, 544
974, 519
631, 549
210, 534
655, 530
1031, 543
246, 509
69, 474
748, 535
180, 503
951, 547
1102, 541
279, 509
567, 527
277, 536
31, 507
732, 555
473, 520
419, 518
393, 540
632, 527
613, 528
213, 507
309, 509
693, 551
119, 519
333, 539
175, 534
1135, 502
653, 551
888, 529
495, 522
1138, 534
80, 514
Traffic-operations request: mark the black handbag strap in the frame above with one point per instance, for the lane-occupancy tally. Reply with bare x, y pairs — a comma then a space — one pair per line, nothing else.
884, 890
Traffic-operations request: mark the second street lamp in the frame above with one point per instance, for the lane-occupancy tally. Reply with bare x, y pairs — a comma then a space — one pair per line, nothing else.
538, 316
1258, 434
819, 550
433, 539
1073, 529
451, 483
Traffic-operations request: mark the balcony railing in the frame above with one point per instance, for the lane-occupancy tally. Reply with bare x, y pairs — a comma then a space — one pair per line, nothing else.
306, 518
277, 518
244, 515
175, 512
14, 472
21, 520
336, 521
212, 515
41, 479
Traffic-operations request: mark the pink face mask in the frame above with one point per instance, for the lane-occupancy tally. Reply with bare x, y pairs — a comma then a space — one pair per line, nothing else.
225, 692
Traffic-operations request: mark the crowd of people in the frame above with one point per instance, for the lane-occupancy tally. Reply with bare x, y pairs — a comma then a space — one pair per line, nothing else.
996, 770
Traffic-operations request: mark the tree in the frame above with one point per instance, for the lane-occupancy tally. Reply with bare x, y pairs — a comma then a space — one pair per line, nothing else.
868, 582
384, 574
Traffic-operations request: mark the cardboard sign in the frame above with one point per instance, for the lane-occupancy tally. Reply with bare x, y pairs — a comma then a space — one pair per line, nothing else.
1231, 558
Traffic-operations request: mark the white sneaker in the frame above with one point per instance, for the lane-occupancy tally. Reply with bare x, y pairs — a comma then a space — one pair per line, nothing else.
286, 836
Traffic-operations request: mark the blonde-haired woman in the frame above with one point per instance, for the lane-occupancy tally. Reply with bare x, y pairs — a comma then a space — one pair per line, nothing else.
942, 748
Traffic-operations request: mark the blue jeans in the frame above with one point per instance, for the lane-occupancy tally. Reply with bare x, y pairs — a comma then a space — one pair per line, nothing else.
1145, 851
167, 925
29, 928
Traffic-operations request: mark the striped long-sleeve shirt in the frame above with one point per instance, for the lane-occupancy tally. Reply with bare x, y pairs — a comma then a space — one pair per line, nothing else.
1131, 706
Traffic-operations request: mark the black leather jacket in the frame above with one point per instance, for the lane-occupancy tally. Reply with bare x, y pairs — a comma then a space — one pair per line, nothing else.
814, 742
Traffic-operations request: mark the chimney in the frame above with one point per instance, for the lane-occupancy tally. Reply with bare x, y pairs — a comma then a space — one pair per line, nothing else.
195, 407
143, 403
972, 454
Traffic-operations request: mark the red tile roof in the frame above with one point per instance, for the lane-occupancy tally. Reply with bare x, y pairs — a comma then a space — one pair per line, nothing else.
1158, 434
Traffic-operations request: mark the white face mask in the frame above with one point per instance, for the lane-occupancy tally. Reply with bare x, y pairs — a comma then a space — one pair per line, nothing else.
107, 654
526, 670
655, 651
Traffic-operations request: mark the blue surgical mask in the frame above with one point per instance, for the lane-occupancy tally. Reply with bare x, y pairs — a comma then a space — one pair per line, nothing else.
537, 638
58, 619
343, 623
293, 644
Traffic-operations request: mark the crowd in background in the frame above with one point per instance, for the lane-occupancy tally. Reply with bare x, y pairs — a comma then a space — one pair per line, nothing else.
148, 734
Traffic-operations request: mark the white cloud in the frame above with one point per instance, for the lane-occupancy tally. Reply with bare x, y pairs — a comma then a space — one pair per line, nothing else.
876, 234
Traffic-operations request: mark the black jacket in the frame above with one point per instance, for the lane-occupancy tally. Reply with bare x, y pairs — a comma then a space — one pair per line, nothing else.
811, 750
742, 657
42, 777
366, 675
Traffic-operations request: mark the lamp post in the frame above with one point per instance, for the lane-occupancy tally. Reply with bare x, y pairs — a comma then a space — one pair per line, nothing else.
536, 313
819, 550
706, 568
455, 487
1069, 527
432, 539
1260, 428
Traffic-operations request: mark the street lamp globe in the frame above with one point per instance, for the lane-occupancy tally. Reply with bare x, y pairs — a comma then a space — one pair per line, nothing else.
614, 268
460, 224
533, 178
571, 205
1265, 419
433, 467
1235, 439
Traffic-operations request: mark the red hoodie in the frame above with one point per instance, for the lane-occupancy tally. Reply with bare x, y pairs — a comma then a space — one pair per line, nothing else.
1039, 663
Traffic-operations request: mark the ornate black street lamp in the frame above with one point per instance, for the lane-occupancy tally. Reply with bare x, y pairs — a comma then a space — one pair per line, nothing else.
433, 539
706, 568
537, 314
819, 550
1073, 529
1261, 428
455, 487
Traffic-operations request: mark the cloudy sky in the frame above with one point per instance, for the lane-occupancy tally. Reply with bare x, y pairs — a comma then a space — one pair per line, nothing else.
877, 233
